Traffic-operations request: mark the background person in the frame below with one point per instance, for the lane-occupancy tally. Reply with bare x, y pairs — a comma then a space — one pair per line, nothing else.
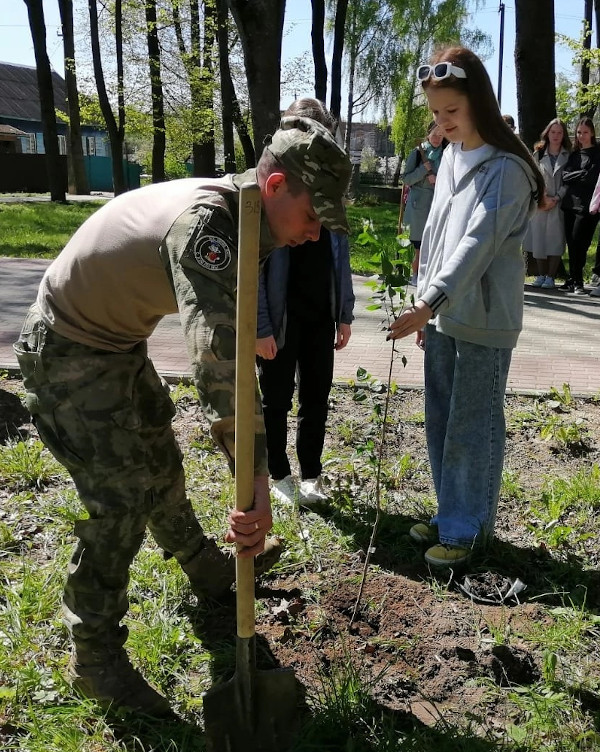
580, 175
545, 238
420, 170
510, 121
594, 208
101, 409
469, 299
305, 311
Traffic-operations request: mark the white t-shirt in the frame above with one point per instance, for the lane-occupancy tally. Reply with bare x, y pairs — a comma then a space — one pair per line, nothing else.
466, 160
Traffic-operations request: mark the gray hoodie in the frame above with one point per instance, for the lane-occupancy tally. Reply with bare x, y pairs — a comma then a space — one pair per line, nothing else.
471, 268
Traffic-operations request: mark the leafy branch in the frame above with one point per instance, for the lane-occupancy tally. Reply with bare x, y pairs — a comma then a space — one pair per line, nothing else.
393, 260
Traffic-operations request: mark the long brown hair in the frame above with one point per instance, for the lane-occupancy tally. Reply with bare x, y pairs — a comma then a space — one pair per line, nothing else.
589, 123
483, 106
542, 145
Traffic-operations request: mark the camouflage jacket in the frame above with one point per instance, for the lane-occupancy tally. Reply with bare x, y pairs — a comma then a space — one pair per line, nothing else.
200, 254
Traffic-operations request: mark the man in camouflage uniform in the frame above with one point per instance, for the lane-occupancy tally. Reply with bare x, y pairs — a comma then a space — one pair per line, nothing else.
101, 409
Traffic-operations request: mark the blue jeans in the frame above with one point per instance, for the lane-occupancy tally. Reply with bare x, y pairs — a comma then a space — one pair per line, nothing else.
466, 432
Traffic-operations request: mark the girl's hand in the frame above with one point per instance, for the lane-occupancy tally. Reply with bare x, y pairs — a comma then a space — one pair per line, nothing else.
548, 203
431, 179
410, 321
344, 333
250, 528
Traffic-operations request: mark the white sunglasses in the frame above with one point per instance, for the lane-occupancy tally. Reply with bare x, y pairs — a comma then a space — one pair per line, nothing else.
439, 71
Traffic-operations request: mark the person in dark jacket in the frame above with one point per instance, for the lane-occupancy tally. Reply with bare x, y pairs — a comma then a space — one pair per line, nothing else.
304, 314
580, 174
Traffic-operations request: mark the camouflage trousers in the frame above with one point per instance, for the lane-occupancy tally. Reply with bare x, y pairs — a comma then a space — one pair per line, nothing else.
106, 417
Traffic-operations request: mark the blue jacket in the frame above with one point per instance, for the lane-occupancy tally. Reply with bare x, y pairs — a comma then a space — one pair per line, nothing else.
273, 285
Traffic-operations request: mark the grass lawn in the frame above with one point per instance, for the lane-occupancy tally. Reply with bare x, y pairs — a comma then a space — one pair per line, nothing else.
384, 218
40, 229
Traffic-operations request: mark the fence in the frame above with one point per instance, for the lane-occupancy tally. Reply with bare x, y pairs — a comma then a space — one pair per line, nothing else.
26, 173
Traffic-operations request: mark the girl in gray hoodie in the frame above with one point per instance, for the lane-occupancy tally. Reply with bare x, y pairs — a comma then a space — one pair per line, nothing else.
469, 307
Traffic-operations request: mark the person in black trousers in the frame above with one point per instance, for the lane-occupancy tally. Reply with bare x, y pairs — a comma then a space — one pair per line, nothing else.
580, 174
305, 311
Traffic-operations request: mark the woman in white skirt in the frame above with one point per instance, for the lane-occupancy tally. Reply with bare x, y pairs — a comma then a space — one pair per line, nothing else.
545, 238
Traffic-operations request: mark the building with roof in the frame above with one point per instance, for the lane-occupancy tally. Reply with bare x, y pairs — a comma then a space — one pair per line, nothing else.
20, 109
22, 161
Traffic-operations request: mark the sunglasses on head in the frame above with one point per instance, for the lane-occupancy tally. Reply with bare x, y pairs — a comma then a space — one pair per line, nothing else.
439, 71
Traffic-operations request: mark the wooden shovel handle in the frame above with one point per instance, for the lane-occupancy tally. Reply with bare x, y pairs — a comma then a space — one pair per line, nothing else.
245, 388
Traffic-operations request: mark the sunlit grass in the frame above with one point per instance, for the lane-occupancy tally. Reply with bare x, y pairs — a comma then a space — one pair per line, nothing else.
40, 229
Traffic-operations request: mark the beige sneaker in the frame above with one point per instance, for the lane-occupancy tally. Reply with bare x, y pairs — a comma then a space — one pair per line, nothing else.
444, 555
424, 533
212, 570
115, 683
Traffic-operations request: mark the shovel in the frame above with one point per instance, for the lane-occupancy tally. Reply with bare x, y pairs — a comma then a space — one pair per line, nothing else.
255, 711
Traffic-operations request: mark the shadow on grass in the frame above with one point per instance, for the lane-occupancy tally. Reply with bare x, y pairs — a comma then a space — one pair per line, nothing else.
549, 581
14, 416
141, 734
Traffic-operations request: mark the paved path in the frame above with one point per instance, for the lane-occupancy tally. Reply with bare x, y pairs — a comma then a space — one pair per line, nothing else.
559, 343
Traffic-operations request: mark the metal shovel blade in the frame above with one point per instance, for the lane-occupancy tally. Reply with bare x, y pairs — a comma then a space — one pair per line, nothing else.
255, 711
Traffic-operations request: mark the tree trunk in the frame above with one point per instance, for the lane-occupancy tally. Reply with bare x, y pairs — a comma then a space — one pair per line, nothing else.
115, 131
204, 148
318, 49
37, 26
336, 59
587, 45
350, 110
158, 105
227, 89
534, 52
78, 182
200, 82
260, 25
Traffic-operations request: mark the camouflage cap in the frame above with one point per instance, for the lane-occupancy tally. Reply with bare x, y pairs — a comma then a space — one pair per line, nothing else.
306, 149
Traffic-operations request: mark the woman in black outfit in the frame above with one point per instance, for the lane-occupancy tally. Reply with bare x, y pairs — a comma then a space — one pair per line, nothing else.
580, 174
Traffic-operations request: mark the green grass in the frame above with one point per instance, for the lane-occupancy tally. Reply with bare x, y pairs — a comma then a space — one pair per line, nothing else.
40, 230
384, 218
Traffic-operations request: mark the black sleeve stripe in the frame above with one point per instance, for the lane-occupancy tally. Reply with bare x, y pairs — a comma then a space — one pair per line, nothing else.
438, 301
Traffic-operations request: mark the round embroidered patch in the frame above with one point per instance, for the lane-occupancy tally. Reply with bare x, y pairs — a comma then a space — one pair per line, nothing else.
213, 253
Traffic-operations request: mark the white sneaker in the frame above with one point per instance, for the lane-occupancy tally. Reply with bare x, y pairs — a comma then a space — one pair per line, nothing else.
595, 279
539, 280
548, 284
595, 292
312, 490
286, 491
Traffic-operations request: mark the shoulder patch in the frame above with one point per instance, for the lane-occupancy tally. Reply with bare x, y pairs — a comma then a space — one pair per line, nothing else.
212, 253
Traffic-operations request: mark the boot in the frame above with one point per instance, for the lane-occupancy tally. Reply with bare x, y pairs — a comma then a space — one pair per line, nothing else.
212, 571
109, 678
